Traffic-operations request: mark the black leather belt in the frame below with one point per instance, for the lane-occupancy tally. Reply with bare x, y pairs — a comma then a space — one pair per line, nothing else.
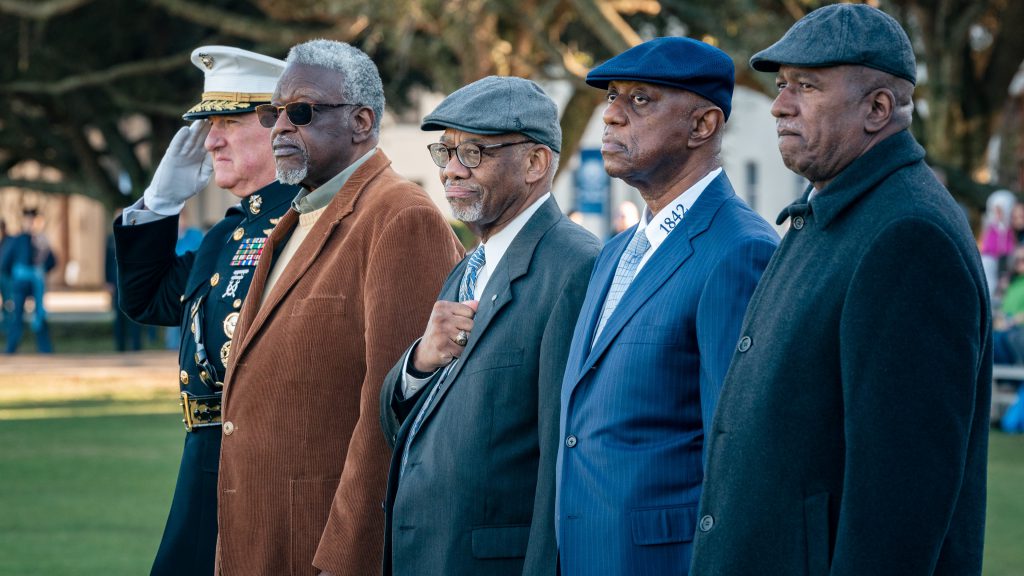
200, 411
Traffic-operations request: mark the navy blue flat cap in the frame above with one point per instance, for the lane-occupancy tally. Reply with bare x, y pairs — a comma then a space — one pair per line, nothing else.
500, 105
677, 62
842, 34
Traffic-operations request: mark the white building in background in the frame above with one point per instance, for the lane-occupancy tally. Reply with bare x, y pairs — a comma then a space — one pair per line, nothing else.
78, 226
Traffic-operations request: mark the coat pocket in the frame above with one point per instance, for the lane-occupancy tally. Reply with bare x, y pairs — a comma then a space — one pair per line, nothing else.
664, 525
493, 359
817, 529
319, 306
501, 541
309, 507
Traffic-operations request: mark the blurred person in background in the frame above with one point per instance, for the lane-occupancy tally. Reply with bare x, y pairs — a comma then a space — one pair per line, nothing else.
997, 239
4, 280
27, 259
626, 216
202, 291
127, 332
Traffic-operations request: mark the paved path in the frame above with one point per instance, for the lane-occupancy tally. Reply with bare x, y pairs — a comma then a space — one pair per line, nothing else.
159, 361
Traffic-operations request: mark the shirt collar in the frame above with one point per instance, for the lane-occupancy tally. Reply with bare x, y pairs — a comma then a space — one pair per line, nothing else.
658, 226
307, 202
497, 245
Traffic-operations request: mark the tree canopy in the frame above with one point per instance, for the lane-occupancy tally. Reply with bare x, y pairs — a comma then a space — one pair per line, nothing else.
95, 88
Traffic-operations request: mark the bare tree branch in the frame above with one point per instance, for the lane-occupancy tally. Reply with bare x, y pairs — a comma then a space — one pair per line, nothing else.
607, 25
36, 10
42, 186
258, 29
100, 77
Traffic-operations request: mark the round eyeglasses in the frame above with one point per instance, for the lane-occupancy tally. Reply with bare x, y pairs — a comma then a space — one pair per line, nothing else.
468, 153
298, 113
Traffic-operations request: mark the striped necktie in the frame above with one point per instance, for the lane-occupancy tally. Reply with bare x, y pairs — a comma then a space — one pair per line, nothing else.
624, 275
467, 291
467, 288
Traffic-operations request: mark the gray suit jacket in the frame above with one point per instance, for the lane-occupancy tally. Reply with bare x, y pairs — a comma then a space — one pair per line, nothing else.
478, 494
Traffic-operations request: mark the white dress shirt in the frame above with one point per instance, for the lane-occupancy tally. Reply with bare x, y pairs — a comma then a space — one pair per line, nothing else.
494, 251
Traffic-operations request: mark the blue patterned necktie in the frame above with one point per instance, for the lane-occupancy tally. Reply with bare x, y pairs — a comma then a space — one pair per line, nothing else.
467, 291
624, 275
467, 288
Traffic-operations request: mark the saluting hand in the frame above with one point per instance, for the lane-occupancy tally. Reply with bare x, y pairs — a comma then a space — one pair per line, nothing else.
449, 323
183, 172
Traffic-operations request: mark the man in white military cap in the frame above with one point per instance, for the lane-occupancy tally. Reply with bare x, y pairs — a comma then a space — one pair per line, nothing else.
202, 291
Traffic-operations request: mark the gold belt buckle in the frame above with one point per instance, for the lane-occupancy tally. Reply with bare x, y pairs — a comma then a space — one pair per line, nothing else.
199, 413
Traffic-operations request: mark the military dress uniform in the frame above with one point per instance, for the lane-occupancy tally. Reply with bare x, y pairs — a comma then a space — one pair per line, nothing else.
202, 292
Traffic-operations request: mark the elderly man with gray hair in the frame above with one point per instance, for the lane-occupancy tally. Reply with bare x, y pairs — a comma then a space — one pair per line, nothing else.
349, 276
493, 352
852, 429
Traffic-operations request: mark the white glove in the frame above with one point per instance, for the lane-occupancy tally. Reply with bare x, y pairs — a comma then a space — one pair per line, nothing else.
184, 170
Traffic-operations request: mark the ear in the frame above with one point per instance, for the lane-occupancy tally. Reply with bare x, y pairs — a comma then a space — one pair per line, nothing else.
362, 125
882, 102
705, 123
538, 160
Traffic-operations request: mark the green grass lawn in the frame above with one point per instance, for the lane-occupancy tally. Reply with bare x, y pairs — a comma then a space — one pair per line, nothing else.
85, 496
88, 495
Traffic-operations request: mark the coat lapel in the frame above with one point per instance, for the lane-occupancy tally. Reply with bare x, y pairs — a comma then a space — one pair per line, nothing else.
340, 206
500, 290
669, 257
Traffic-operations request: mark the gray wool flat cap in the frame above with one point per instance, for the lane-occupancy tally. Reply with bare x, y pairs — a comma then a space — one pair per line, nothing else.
500, 105
842, 34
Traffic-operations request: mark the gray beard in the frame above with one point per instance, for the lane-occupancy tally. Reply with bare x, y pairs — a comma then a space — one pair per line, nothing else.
294, 176
470, 213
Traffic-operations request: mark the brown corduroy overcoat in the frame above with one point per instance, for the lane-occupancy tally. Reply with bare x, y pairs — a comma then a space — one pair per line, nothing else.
303, 466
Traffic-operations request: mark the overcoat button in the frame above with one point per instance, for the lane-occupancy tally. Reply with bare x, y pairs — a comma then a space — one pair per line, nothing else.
707, 523
229, 428
798, 222
745, 343
570, 441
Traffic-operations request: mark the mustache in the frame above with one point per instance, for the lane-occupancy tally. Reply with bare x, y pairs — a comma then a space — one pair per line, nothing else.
284, 141
461, 184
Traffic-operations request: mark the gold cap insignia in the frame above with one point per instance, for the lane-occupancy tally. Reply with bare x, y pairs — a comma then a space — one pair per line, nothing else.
207, 60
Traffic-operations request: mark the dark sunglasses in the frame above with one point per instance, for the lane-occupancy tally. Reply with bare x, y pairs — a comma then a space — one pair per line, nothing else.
468, 153
298, 113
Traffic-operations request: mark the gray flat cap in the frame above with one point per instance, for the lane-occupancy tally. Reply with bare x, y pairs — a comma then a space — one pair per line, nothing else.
500, 105
842, 34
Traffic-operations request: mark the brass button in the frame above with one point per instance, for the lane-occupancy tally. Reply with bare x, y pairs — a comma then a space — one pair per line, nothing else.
229, 428
215, 279
181, 298
183, 377
238, 233
237, 303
